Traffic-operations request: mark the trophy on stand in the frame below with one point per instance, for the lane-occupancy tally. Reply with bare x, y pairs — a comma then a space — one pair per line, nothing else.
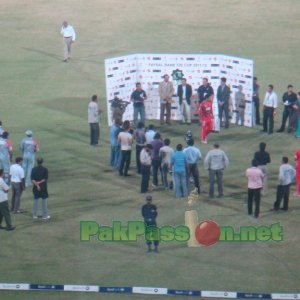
193, 197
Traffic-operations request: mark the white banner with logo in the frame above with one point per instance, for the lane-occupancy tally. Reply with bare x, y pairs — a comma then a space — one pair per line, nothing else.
122, 73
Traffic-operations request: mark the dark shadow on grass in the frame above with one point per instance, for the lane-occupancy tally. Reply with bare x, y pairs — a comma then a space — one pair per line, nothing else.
108, 171
224, 204
54, 56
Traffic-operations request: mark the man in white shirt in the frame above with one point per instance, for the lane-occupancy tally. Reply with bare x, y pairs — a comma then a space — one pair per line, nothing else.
150, 133
270, 105
4, 209
146, 161
93, 119
125, 139
69, 36
17, 183
166, 153
286, 177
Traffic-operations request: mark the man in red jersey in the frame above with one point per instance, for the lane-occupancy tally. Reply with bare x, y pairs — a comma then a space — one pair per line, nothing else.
206, 117
297, 159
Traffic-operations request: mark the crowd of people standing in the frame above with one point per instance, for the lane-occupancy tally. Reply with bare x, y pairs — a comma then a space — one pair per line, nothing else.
20, 175
178, 166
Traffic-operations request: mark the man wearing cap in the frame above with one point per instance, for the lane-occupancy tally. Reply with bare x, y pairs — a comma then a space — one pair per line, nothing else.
39, 178
149, 213
215, 162
28, 147
166, 91
69, 36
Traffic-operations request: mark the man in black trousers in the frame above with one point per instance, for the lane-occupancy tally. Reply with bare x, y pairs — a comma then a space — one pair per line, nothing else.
184, 92
146, 161
223, 94
289, 99
149, 213
263, 158
270, 105
4, 209
255, 99
286, 176
125, 140
255, 177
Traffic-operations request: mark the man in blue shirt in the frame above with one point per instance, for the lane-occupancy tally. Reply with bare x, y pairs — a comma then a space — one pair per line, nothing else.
115, 152
193, 155
138, 97
179, 163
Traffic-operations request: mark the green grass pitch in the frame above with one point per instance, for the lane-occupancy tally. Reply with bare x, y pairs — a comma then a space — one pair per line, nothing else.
41, 93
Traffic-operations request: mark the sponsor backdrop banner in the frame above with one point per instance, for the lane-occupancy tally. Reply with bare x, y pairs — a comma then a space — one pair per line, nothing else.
122, 73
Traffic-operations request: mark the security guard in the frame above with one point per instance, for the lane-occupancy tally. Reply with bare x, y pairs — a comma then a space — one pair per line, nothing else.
149, 213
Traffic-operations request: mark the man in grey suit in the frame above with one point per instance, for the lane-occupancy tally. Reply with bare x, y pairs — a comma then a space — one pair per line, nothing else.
166, 91
223, 95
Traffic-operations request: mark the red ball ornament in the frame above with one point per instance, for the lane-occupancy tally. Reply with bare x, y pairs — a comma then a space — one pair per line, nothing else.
207, 232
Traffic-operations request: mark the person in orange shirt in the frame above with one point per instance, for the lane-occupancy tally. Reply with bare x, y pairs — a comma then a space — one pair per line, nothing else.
297, 159
205, 111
